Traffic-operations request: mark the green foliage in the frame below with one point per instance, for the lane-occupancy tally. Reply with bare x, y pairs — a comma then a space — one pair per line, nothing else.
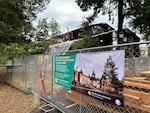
54, 27
9, 51
87, 40
137, 10
84, 85
140, 12
11, 21
3, 58
86, 5
16, 17
111, 75
147, 35
104, 7
42, 30
14, 50
84, 43
16, 27
37, 47
33, 7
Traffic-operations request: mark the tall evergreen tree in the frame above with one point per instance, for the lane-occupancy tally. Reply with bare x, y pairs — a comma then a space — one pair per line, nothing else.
137, 11
140, 13
43, 29
111, 74
87, 40
54, 27
124, 8
93, 76
16, 18
106, 7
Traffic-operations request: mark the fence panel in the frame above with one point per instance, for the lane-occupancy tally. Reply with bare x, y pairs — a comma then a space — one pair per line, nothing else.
32, 78
26, 73
136, 87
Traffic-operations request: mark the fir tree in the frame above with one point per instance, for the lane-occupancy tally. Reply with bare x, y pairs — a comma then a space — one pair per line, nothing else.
110, 74
93, 77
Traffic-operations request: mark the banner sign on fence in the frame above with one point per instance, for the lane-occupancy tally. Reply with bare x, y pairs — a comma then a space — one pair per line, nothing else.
98, 74
64, 68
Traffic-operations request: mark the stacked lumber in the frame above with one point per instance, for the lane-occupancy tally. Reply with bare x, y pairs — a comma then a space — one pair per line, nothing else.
137, 98
146, 73
134, 99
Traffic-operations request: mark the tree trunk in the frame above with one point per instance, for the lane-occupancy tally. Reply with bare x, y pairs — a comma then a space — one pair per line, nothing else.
120, 20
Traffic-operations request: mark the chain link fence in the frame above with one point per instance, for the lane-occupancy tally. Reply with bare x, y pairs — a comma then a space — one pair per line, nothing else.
26, 76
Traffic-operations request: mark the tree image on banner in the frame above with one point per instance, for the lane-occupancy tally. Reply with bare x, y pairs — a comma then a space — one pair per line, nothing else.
109, 81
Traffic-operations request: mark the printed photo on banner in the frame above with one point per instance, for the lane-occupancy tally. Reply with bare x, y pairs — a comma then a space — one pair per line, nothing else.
100, 75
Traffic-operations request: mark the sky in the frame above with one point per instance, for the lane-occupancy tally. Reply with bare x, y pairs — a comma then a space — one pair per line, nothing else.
69, 15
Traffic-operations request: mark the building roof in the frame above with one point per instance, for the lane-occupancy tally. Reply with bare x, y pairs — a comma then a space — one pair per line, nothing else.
105, 26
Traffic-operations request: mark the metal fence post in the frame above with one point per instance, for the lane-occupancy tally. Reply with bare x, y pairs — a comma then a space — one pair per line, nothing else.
80, 103
25, 73
52, 73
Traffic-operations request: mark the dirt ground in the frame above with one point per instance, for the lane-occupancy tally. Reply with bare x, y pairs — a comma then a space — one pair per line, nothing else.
15, 101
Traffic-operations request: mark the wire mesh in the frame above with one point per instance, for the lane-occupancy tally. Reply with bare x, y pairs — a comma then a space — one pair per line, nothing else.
136, 85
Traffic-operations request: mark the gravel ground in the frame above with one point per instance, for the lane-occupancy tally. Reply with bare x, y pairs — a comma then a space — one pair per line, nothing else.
14, 101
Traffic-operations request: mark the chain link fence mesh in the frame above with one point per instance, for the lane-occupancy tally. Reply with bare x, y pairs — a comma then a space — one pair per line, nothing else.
26, 75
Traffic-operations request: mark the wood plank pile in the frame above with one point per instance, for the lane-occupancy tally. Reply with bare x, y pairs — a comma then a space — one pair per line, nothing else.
134, 99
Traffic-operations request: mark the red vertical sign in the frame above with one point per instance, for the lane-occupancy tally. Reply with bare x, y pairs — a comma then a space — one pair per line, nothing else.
43, 83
